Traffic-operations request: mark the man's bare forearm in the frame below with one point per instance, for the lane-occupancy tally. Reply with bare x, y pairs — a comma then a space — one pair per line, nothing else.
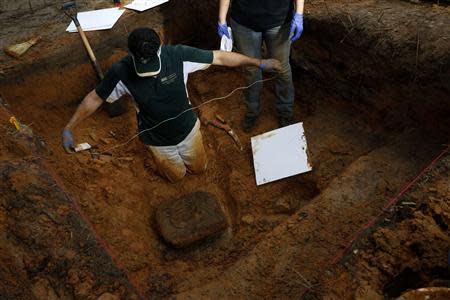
224, 5
299, 6
89, 105
233, 59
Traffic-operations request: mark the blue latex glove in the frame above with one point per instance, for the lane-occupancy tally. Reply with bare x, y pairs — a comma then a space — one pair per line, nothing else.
68, 140
262, 66
296, 27
222, 29
270, 65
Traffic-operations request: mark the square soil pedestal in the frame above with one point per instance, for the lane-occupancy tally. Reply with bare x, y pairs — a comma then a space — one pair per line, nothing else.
190, 219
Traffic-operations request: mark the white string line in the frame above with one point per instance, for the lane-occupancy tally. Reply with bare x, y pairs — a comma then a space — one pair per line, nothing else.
185, 111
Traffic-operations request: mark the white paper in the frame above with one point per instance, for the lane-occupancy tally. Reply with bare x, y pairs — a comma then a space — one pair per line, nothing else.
100, 19
141, 5
82, 147
280, 153
226, 44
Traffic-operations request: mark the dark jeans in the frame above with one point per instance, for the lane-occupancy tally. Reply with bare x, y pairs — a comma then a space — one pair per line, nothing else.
278, 44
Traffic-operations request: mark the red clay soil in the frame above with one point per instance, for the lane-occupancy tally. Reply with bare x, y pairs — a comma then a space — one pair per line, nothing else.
409, 251
47, 249
367, 138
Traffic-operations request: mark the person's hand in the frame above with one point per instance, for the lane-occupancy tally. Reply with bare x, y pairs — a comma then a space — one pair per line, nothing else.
270, 65
222, 29
296, 27
68, 143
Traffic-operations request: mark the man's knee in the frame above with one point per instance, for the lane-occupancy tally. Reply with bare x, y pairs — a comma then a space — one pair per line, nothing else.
199, 165
174, 178
285, 74
284, 59
168, 166
194, 154
198, 162
172, 172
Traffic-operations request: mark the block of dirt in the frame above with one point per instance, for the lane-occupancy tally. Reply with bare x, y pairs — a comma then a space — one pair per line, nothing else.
190, 219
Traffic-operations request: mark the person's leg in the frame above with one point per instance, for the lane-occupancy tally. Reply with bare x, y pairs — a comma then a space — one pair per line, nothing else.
193, 152
169, 162
249, 42
279, 47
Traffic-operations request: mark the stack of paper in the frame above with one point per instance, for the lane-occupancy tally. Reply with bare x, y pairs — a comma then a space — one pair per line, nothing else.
141, 5
97, 19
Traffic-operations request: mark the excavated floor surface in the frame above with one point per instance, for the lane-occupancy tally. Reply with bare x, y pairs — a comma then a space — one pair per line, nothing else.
74, 227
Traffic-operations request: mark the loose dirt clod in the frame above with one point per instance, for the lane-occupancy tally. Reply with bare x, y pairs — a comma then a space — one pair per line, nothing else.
190, 219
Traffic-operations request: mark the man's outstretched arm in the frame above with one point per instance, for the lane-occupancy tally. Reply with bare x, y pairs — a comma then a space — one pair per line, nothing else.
233, 59
87, 107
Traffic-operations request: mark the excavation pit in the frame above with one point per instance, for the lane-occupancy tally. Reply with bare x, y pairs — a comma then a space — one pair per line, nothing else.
373, 118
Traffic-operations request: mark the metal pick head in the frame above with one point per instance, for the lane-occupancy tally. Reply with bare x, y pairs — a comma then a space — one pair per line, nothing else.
69, 5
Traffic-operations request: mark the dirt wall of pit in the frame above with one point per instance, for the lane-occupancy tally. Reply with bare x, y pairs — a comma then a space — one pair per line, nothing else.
19, 7
375, 54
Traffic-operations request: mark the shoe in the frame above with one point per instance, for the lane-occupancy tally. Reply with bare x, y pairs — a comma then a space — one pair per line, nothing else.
285, 121
249, 123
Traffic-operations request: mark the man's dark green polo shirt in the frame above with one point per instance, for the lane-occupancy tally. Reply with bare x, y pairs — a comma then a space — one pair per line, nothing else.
159, 97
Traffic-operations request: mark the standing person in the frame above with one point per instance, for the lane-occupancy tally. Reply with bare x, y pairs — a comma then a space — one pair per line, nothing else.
277, 23
154, 76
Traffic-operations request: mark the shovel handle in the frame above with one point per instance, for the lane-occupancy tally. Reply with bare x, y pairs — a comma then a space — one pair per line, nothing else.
90, 52
70, 9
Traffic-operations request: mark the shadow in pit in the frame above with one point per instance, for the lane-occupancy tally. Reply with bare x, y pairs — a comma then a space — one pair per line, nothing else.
409, 279
184, 20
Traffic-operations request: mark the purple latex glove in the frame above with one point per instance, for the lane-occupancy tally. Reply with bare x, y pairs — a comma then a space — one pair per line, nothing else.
270, 65
222, 29
68, 143
296, 27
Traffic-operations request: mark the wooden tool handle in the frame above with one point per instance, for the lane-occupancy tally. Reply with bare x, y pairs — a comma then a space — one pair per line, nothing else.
90, 52
220, 125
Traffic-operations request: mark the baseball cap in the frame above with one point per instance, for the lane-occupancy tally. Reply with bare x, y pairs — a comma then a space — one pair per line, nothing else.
145, 47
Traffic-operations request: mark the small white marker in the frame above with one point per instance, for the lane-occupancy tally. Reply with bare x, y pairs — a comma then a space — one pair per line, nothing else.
82, 147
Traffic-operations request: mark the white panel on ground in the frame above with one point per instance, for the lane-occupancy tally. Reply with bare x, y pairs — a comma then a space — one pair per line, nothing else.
100, 19
141, 5
280, 153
